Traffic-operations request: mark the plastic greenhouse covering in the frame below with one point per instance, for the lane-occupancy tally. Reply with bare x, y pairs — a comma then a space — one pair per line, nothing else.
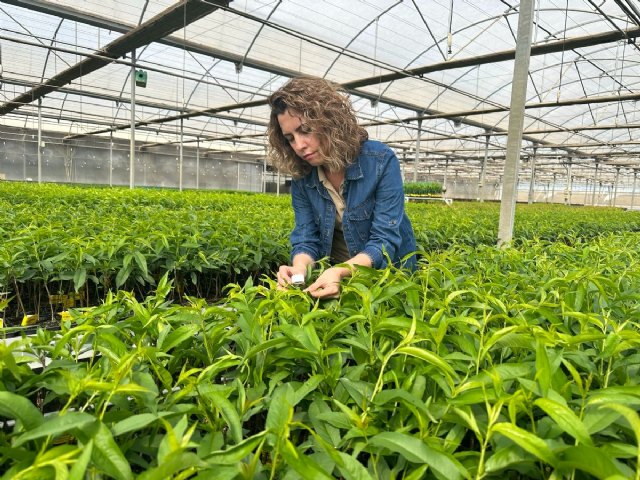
430, 74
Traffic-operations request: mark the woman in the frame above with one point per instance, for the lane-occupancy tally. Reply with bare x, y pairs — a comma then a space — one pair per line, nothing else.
346, 190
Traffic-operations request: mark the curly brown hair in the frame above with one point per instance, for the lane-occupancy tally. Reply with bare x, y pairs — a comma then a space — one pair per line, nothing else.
327, 111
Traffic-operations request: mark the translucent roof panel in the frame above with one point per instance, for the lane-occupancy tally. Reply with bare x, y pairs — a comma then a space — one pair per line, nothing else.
448, 63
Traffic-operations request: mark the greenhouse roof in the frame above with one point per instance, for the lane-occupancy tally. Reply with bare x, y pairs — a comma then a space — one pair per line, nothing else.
440, 69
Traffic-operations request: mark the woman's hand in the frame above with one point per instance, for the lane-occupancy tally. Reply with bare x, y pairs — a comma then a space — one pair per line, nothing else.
285, 274
328, 283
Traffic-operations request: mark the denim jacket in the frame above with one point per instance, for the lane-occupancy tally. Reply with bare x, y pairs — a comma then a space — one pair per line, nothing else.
374, 221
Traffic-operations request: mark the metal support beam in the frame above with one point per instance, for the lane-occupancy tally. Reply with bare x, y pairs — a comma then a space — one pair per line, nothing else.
569, 187
614, 198
111, 160
633, 191
548, 47
180, 155
555, 46
483, 170
198, 164
39, 140
516, 122
532, 180
132, 137
173, 18
446, 174
415, 167
264, 174
595, 184
541, 49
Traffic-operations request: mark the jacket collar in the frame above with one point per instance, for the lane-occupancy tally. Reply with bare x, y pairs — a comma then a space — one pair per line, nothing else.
353, 172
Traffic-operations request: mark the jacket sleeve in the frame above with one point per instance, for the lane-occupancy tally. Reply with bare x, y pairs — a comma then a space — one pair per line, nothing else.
385, 237
305, 237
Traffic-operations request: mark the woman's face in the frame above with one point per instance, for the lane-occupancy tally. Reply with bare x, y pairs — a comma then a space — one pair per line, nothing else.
303, 141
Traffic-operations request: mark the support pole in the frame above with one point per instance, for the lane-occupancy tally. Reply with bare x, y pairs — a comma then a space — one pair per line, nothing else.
553, 188
415, 167
181, 154
532, 181
516, 122
264, 175
546, 191
633, 191
483, 169
614, 199
197, 163
587, 190
40, 140
595, 185
569, 183
24, 157
111, 159
446, 173
132, 141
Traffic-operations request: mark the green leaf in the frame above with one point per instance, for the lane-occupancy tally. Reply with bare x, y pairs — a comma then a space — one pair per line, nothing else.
141, 261
123, 275
497, 336
543, 368
229, 413
359, 391
107, 456
328, 432
56, 425
79, 469
631, 416
336, 419
237, 453
307, 387
565, 419
528, 441
591, 460
348, 465
391, 292
266, 345
21, 409
305, 335
597, 420
395, 395
133, 423
280, 409
172, 440
177, 336
342, 325
416, 451
220, 472
506, 457
431, 358
176, 462
418, 473
350, 468
302, 464
466, 415
79, 278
